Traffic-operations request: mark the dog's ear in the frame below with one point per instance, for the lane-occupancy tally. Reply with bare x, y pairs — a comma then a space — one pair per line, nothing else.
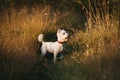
58, 30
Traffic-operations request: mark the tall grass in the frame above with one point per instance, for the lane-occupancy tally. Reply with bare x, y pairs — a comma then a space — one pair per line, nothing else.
102, 25
91, 54
18, 38
22, 28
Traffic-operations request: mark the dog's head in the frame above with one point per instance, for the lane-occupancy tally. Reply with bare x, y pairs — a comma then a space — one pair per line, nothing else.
62, 35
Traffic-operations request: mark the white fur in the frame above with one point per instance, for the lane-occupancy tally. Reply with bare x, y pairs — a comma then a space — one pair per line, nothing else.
53, 47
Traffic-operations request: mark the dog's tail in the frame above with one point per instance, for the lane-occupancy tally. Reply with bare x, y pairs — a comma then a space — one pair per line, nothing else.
40, 38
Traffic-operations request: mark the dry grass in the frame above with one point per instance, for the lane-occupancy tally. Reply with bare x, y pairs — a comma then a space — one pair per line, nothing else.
98, 45
20, 29
101, 27
18, 38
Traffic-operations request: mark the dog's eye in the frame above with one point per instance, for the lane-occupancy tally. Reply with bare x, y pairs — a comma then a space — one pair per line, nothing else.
63, 33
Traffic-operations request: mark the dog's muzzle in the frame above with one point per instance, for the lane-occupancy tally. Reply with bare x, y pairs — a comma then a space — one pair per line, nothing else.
66, 38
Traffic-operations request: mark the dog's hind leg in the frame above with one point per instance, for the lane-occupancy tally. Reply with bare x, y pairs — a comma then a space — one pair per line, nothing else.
43, 51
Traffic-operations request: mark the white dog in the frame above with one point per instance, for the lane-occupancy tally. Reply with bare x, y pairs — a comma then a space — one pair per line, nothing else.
54, 47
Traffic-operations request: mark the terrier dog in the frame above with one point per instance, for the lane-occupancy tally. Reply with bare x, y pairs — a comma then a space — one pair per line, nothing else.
54, 47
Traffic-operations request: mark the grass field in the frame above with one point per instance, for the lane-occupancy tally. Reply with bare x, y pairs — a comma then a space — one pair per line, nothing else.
92, 53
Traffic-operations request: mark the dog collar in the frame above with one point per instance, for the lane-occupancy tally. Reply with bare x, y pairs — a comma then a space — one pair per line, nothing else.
60, 42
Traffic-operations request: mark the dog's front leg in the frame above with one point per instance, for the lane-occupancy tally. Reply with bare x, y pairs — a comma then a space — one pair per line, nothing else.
55, 57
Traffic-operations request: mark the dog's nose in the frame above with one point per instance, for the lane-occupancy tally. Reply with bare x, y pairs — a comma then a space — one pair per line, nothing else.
66, 37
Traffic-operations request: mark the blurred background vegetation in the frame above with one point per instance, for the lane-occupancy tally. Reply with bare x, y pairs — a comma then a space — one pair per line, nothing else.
92, 52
